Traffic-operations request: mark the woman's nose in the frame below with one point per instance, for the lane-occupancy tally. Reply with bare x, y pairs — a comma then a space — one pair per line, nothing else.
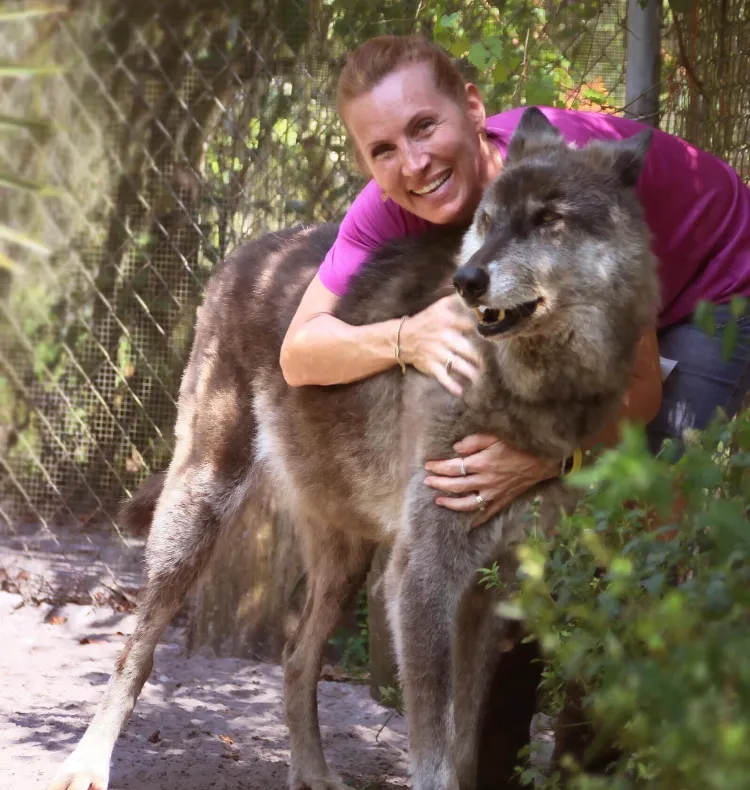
415, 160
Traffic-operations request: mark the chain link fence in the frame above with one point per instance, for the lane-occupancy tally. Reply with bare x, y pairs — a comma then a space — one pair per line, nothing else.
159, 133
706, 88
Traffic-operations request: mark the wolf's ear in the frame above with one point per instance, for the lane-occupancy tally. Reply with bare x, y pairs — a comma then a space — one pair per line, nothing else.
533, 132
630, 154
623, 158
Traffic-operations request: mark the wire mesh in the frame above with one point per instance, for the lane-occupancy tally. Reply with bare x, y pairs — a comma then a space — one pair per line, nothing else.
707, 79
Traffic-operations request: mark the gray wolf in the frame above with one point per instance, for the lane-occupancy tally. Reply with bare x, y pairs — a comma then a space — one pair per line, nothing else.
558, 267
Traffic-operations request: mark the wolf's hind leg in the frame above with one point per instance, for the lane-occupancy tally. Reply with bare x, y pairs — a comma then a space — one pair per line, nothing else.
337, 563
191, 512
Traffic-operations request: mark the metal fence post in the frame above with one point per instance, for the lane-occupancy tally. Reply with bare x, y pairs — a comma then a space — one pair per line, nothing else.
643, 64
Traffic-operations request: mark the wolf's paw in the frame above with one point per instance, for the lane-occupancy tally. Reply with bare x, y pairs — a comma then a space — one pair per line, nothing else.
79, 773
328, 782
80, 780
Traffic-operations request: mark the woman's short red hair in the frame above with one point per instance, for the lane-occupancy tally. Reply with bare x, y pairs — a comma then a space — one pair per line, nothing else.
373, 61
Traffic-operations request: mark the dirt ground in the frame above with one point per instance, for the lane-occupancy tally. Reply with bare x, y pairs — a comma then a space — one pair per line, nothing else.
201, 721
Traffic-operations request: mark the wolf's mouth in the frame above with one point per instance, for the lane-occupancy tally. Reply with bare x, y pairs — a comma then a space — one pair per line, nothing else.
495, 322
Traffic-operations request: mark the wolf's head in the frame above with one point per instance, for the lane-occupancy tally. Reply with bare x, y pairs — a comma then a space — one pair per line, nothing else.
559, 242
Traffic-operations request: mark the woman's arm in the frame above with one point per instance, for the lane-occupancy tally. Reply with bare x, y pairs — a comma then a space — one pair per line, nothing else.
642, 401
321, 349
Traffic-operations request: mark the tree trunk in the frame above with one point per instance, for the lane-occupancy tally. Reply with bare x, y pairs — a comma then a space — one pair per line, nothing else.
249, 601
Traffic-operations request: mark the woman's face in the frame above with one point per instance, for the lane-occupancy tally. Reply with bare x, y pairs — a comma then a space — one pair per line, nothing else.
421, 147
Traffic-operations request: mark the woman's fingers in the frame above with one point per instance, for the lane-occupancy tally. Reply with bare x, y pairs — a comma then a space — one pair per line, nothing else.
475, 443
462, 504
456, 485
455, 364
451, 467
444, 377
461, 346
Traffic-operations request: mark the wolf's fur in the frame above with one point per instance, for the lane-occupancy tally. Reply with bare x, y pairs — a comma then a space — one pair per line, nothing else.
347, 461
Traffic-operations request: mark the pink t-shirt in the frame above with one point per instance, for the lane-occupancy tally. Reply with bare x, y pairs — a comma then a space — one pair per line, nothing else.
696, 205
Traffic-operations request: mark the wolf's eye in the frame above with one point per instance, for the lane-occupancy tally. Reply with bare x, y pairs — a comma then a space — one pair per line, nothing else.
546, 217
483, 222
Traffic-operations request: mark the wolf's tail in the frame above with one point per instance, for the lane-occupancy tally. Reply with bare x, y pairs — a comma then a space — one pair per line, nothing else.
137, 513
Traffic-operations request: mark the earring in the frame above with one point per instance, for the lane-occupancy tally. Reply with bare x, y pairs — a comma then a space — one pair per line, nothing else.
383, 196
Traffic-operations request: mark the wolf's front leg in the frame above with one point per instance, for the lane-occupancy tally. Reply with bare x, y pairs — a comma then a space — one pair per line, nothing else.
425, 663
425, 582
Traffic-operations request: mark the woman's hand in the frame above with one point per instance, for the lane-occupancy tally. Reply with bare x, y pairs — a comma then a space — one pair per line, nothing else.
495, 471
436, 342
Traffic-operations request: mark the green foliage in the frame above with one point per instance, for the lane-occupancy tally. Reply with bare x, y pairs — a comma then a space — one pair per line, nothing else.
643, 596
392, 697
355, 646
704, 318
522, 53
10, 182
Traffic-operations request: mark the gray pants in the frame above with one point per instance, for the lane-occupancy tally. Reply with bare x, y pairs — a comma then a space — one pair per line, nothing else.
702, 379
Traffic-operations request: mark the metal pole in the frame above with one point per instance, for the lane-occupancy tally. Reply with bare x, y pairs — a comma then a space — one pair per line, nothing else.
643, 42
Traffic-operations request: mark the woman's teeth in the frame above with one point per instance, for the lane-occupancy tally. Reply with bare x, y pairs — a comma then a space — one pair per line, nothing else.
432, 186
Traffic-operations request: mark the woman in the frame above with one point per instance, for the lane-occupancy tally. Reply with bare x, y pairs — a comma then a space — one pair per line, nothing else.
424, 138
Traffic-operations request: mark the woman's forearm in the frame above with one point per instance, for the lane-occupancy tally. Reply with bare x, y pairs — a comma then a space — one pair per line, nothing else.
643, 398
325, 350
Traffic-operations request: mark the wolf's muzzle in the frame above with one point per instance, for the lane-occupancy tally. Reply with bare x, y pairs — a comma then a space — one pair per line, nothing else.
471, 282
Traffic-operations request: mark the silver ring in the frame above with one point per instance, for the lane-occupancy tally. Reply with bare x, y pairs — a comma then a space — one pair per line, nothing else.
481, 504
463, 468
449, 364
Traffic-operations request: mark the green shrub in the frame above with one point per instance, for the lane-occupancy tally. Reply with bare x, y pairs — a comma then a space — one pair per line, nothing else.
647, 604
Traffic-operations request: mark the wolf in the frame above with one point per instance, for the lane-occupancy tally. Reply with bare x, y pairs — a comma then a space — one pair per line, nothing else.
558, 268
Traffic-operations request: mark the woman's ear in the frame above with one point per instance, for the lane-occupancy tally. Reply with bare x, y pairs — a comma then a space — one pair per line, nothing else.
475, 107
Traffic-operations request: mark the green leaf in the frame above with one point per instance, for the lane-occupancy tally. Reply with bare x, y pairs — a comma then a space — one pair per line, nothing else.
704, 317
542, 91
500, 73
7, 264
459, 47
29, 124
16, 70
14, 182
494, 46
16, 237
729, 339
510, 611
654, 584
28, 13
479, 56
450, 21
738, 306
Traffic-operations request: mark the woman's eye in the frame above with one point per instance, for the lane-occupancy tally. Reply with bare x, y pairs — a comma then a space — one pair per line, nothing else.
379, 151
426, 123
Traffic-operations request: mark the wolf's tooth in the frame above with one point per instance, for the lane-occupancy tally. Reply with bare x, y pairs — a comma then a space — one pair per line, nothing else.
501, 314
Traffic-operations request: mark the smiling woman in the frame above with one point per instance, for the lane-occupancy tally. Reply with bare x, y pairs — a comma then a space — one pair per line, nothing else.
425, 150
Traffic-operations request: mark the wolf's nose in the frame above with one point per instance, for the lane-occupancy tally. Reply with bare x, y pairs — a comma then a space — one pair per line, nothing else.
471, 281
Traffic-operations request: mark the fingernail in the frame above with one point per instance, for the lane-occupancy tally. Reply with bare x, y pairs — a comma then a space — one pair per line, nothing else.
428, 481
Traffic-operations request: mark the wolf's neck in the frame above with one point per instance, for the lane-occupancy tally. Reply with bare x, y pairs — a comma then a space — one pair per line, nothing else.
562, 367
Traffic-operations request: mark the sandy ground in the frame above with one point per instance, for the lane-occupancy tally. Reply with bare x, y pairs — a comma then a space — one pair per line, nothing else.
201, 721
